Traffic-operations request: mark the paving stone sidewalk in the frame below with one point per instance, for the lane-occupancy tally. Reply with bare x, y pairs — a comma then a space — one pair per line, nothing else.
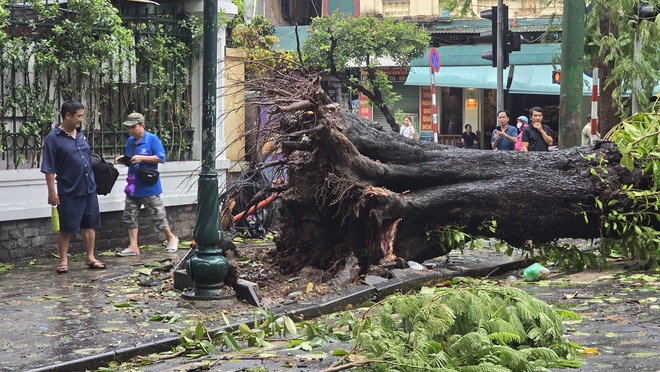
86, 318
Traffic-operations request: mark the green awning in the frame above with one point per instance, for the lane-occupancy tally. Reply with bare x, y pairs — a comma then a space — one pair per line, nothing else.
537, 79
527, 79
482, 77
470, 55
287, 37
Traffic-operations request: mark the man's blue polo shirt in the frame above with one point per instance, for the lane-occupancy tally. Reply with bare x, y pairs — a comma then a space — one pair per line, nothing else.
70, 160
149, 145
505, 144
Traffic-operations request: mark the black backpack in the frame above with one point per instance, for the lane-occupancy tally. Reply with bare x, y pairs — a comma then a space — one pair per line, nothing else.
105, 175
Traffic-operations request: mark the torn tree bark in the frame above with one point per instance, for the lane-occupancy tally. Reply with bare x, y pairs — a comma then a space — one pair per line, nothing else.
354, 189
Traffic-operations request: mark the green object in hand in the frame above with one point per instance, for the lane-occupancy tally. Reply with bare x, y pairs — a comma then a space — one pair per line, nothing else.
55, 219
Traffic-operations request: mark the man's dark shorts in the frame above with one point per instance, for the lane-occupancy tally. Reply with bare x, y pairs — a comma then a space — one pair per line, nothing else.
79, 212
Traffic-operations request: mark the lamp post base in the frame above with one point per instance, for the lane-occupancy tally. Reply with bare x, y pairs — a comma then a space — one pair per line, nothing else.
208, 270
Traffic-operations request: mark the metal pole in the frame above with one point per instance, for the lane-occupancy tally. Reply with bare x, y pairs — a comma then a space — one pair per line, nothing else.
434, 117
594, 106
500, 55
208, 267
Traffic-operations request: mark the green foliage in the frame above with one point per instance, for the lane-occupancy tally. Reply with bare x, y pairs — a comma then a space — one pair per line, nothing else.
450, 237
338, 41
477, 327
566, 255
616, 47
630, 218
51, 43
257, 39
77, 51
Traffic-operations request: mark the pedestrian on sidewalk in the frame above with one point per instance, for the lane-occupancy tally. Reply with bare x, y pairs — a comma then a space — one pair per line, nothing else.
67, 159
521, 123
536, 137
407, 130
504, 136
144, 151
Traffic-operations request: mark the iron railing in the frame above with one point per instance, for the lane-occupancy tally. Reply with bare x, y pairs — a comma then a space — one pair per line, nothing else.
114, 98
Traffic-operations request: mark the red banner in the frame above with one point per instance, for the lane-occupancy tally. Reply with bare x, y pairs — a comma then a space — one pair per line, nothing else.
425, 109
365, 108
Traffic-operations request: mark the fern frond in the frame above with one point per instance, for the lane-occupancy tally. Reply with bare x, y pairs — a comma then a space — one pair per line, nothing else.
505, 338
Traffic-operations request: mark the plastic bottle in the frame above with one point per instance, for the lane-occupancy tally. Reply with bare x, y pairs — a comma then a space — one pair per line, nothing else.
55, 219
536, 272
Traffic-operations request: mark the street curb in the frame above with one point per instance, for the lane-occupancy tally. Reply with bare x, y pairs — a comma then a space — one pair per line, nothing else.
405, 280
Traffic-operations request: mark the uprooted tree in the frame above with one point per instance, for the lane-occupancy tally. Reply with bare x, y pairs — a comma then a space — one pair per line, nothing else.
354, 189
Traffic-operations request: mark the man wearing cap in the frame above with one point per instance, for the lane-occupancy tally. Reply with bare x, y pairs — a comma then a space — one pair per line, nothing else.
143, 149
536, 137
521, 123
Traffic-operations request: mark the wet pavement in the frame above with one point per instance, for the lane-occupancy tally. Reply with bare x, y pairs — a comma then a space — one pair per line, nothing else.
87, 319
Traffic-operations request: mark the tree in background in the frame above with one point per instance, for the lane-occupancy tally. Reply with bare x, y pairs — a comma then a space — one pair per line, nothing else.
610, 33
258, 38
337, 42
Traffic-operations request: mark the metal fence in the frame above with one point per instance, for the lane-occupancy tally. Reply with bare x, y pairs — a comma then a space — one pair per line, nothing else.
144, 88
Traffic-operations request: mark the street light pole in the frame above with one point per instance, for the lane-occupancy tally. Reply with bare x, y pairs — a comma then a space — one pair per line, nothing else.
208, 267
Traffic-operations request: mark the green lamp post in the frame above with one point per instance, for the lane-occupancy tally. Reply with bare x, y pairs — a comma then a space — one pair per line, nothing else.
208, 267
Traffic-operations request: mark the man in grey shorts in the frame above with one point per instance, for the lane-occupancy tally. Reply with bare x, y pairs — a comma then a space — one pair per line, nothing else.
143, 149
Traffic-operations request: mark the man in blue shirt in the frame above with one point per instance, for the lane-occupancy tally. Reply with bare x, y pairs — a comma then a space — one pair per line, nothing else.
143, 149
504, 137
67, 159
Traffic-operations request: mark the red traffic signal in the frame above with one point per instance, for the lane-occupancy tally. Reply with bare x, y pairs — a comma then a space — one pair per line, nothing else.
556, 77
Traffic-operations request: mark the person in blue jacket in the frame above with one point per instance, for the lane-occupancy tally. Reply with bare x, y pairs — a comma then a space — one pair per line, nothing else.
67, 160
143, 149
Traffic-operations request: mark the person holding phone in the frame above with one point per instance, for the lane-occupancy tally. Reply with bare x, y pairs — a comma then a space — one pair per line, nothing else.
143, 149
504, 136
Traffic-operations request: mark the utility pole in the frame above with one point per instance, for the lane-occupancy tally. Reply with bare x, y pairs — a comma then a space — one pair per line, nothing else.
572, 64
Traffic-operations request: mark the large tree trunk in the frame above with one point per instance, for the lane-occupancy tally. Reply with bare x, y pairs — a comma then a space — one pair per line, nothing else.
354, 189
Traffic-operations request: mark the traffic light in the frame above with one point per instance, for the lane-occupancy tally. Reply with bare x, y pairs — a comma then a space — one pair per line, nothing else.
645, 11
511, 39
556, 77
490, 35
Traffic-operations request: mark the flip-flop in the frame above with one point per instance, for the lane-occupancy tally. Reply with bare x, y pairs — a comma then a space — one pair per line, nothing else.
127, 252
96, 265
172, 246
62, 269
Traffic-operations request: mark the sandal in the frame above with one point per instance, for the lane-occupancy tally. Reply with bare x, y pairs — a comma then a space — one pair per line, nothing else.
96, 265
127, 252
62, 269
172, 246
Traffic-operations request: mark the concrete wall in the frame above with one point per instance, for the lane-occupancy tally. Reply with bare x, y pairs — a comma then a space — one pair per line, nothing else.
25, 239
234, 104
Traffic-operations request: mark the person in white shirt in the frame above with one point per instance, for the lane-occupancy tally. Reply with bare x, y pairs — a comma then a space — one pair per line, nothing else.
407, 129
